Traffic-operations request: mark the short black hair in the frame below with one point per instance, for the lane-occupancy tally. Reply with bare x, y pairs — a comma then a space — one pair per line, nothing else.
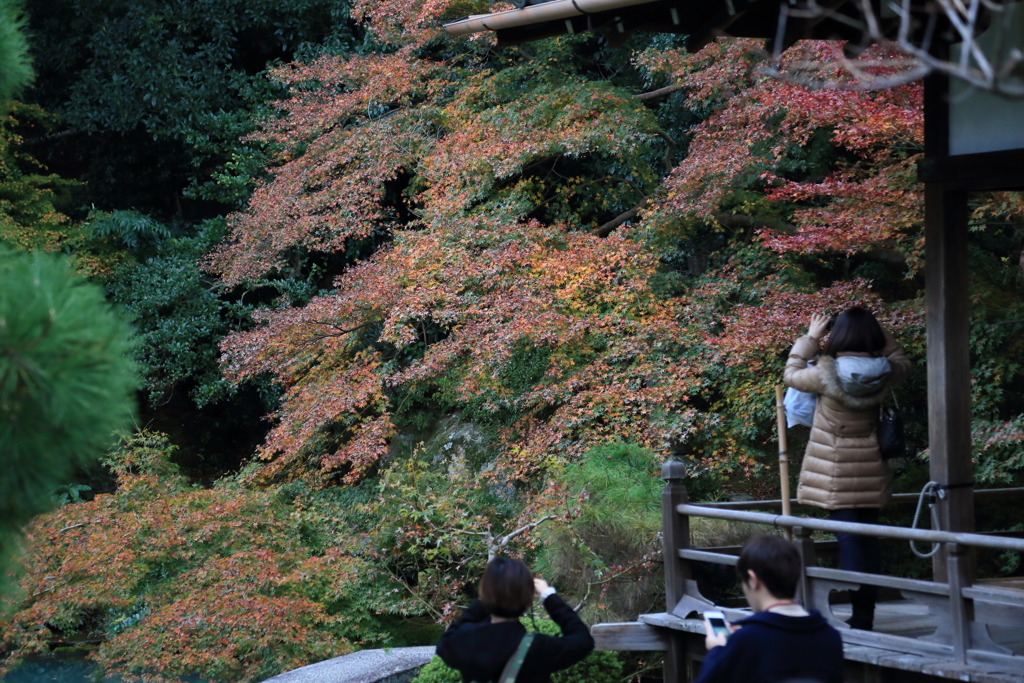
506, 588
776, 562
855, 329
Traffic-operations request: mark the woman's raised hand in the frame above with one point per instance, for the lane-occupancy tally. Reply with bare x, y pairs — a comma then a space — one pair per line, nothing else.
539, 586
818, 326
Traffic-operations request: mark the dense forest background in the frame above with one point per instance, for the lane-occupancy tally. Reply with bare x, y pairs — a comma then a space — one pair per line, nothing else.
401, 299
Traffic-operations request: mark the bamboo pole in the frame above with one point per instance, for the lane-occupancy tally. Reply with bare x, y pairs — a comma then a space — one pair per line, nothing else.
780, 413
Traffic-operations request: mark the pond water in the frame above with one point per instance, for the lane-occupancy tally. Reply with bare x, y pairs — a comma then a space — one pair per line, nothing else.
55, 670
76, 670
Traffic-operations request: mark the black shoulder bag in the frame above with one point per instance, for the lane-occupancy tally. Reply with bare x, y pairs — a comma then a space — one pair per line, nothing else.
892, 442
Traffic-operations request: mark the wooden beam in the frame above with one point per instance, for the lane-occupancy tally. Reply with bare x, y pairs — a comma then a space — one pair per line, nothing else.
985, 171
629, 636
948, 325
675, 532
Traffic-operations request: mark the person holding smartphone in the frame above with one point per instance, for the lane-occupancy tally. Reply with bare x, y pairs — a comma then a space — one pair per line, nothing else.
781, 641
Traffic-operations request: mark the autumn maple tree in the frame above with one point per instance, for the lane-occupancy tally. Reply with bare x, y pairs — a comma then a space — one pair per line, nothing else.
480, 197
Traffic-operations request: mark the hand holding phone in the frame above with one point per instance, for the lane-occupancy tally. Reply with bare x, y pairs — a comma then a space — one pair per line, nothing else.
718, 624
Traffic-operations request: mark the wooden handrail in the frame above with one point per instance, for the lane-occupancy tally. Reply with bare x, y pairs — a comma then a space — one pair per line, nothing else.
962, 612
897, 498
883, 531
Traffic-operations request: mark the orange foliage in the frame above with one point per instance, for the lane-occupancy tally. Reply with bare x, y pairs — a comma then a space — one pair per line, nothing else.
217, 582
493, 290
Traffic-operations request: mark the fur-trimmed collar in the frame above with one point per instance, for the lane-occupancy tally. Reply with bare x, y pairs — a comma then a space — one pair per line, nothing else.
832, 388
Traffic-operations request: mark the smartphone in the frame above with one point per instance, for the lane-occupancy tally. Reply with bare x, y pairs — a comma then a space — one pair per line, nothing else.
718, 623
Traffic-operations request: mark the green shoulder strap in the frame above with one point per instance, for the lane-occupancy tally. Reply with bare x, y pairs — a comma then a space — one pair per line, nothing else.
511, 670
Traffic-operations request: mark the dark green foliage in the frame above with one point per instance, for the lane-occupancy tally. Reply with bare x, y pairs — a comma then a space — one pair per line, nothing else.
15, 65
997, 342
66, 381
605, 551
126, 230
599, 667
156, 95
29, 217
179, 313
178, 316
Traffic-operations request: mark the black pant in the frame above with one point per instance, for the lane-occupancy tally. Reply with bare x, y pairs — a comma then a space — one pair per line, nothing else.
860, 553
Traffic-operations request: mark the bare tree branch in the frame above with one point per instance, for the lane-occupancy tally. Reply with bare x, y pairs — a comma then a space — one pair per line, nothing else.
670, 148
609, 227
733, 220
495, 544
503, 541
990, 66
659, 93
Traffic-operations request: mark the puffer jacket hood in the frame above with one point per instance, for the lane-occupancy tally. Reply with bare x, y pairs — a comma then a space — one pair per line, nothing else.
862, 375
869, 380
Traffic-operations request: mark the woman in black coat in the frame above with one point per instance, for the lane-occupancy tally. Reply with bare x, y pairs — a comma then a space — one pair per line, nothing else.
488, 633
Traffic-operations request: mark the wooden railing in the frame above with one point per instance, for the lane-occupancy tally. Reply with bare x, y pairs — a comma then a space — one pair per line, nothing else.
963, 613
897, 499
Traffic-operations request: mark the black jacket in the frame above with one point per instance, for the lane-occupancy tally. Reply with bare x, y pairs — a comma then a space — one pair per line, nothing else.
479, 649
774, 647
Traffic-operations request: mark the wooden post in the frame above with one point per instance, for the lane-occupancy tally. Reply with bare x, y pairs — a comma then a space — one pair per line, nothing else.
947, 312
675, 534
949, 392
809, 558
961, 614
780, 418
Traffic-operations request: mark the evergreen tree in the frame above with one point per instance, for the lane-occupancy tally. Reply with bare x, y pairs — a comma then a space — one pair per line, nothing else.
15, 67
66, 382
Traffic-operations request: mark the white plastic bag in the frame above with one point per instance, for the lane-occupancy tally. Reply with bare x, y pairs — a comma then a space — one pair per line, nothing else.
799, 407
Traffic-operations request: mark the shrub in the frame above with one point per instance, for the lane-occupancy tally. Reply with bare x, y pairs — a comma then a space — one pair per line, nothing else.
176, 582
608, 549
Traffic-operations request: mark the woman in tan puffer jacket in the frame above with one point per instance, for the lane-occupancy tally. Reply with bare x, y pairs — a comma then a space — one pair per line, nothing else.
843, 470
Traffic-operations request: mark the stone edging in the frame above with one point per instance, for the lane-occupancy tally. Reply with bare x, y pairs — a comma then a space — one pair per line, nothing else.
365, 666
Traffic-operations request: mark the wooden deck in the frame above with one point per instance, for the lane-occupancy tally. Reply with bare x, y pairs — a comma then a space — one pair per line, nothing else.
902, 618
949, 628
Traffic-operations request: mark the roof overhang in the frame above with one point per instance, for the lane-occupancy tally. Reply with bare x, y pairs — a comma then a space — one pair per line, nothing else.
700, 20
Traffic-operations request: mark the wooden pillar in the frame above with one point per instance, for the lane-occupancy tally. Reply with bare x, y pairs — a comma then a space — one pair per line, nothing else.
675, 532
960, 610
949, 392
948, 324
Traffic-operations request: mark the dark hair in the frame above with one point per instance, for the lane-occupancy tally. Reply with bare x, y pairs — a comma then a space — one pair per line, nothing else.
776, 562
855, 329
506, 588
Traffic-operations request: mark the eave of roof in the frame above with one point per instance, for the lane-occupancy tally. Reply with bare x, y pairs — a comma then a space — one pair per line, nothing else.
554, 10
700, 20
